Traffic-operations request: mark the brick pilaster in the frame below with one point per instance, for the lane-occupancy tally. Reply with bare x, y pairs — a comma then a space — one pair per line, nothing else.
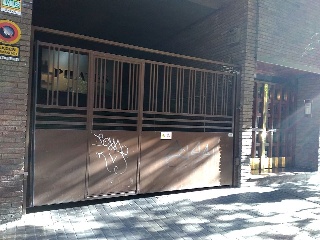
13, 117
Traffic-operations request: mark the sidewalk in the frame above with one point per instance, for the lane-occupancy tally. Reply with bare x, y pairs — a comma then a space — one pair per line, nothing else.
287, 210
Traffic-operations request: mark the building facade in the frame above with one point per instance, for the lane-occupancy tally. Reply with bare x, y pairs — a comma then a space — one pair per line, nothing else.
266, 113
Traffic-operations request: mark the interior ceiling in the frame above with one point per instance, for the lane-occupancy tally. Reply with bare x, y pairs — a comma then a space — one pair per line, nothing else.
144, 23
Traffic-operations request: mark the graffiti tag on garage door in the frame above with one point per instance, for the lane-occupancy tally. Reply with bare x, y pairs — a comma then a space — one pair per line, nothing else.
113, 153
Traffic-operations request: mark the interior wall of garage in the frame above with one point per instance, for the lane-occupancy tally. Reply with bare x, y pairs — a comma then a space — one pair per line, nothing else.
228, 35
13, 119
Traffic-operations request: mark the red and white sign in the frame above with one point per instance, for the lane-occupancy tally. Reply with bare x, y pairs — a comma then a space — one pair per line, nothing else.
10, 33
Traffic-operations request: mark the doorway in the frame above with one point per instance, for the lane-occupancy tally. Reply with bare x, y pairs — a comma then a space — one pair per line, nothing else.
273, 130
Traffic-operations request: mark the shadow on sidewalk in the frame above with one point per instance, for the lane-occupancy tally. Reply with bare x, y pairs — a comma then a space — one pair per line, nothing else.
277, 212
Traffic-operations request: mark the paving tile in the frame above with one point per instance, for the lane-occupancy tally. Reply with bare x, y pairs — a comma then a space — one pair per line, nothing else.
279, 212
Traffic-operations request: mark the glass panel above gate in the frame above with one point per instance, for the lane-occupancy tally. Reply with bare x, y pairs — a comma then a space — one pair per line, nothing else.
62, 87
63, 78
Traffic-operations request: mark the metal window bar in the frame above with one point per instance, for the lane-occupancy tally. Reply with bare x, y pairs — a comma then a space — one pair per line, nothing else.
209, 93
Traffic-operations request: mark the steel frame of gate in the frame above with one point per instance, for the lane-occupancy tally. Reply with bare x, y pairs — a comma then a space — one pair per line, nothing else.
219, 116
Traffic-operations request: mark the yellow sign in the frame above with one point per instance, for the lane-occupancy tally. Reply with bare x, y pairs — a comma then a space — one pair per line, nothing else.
10, 53
11, 6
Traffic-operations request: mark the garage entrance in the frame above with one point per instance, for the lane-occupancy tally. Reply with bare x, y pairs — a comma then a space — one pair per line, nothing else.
106, 125
112, 116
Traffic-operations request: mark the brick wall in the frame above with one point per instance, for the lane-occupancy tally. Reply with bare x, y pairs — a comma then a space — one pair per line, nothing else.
13, 117
229, 35
289, 33
307, 131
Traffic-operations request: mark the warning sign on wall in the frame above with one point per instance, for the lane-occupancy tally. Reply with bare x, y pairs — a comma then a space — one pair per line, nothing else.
11, 6
10, 53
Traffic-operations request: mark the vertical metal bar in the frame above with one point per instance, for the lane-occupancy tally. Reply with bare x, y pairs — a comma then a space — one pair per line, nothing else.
189, 91
225, 94
130, 74
264, 122
163, 88
58, 76
194, 91
200, 92
182, 90
255, 125
77, 78
216, 87
151, 88
73, 75
166, 90
95, 86
114, 83
272, 94
68, 82
222, 94
48, 75
117, 86
137, 87
227, 86
212, 94
91, 98
205, 89
92, 77
121, 79
133, 86
52, 78
105, 80
156, 88
170, 88
178, 90
100, 82
140, 120
202, 98
234, 94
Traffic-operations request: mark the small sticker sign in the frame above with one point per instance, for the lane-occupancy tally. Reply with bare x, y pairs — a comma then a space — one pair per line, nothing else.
11, 6
166, 135
10, 53
10, 33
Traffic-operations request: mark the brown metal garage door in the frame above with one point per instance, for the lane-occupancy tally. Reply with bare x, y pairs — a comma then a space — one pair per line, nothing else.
106, 125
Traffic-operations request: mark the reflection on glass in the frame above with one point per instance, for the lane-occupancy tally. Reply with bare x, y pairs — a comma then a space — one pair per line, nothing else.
64, 77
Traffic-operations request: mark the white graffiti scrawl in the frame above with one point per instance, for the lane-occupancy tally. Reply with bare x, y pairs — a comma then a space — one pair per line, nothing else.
113, 152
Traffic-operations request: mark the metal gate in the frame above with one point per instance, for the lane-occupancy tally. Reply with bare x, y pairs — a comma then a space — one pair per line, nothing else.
273, 129
106, 125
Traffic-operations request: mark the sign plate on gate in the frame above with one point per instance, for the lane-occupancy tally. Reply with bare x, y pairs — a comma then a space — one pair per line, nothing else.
166, 135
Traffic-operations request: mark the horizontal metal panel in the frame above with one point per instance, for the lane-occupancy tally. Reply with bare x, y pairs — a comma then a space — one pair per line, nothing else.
188, 160
60, 165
